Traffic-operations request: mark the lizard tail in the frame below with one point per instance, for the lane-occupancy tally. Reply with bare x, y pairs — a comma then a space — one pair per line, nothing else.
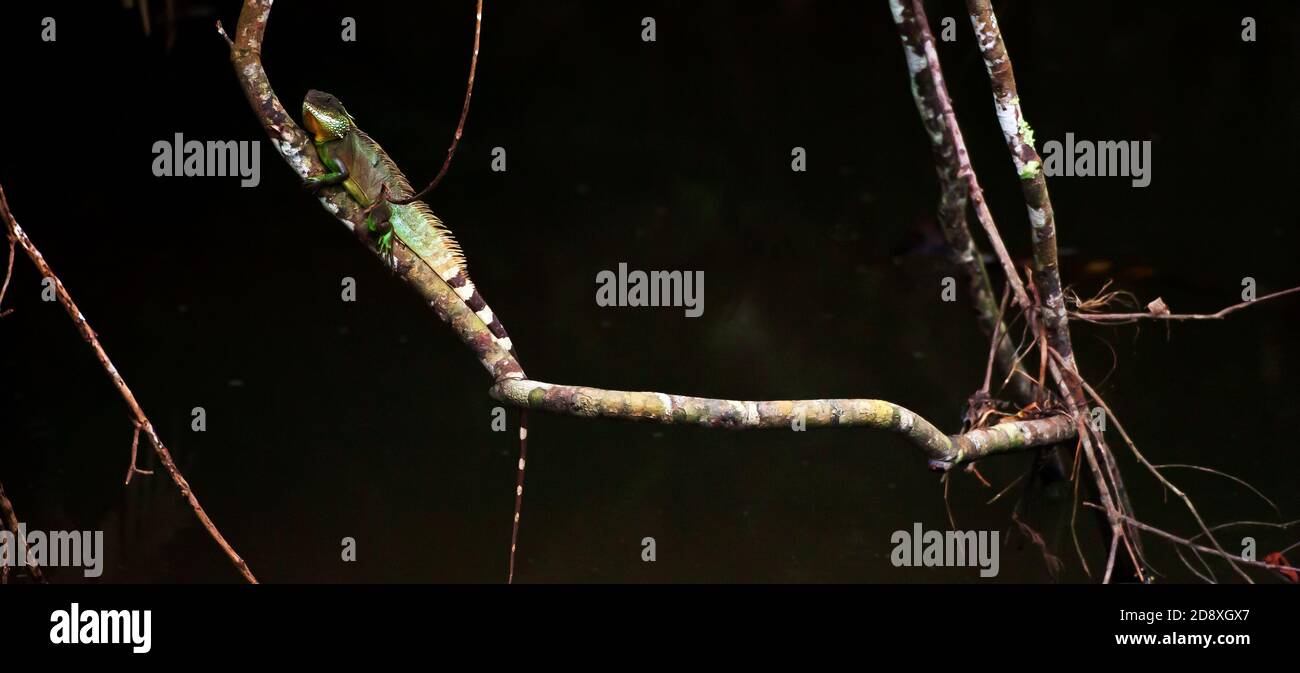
519, 491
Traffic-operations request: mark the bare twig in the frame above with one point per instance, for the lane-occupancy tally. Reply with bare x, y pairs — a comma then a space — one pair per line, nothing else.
9, 272
1006, 489
1052, 561
13, 524
221, 30
995, 340
132, 470
464, 112
1207, 578
1235, 559
1217, 315
1225, 475
1159, 477
137, 414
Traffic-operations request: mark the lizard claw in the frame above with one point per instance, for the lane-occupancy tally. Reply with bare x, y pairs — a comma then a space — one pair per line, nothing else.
386, 247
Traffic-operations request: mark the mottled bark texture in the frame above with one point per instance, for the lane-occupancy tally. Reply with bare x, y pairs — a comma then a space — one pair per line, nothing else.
942, 451
1019, 137
951, 163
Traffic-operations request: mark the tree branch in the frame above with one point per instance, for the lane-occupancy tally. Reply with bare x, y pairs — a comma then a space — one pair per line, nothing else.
138, 417
932, 103
1150, 315
9, 519
295, 147
944, 452
1046, 277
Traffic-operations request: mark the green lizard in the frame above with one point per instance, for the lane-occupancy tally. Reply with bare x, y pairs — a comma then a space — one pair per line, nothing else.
371, 178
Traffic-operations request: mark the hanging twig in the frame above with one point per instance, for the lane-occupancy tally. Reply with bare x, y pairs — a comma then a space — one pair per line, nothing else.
1159, 477
1225, 475
464, 112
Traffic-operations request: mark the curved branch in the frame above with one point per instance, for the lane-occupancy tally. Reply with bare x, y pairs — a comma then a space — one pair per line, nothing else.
514, 388
944, 452
294, 146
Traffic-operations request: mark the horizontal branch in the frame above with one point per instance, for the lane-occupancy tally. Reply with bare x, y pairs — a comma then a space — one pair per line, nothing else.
944, 452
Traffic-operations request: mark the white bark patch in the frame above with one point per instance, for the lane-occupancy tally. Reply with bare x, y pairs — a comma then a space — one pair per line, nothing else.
916, 61
667, 402
986, 40
896, 8
1037, 217
905, 419
1009, 121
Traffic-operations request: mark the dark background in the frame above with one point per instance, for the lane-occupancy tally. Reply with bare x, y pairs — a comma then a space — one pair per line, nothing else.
369, 419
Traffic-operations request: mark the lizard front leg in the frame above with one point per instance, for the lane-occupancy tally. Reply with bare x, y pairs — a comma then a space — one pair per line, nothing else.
378, 216
376, 213
337, 176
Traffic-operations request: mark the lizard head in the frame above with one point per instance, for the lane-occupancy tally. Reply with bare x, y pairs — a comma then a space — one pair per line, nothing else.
325, 116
